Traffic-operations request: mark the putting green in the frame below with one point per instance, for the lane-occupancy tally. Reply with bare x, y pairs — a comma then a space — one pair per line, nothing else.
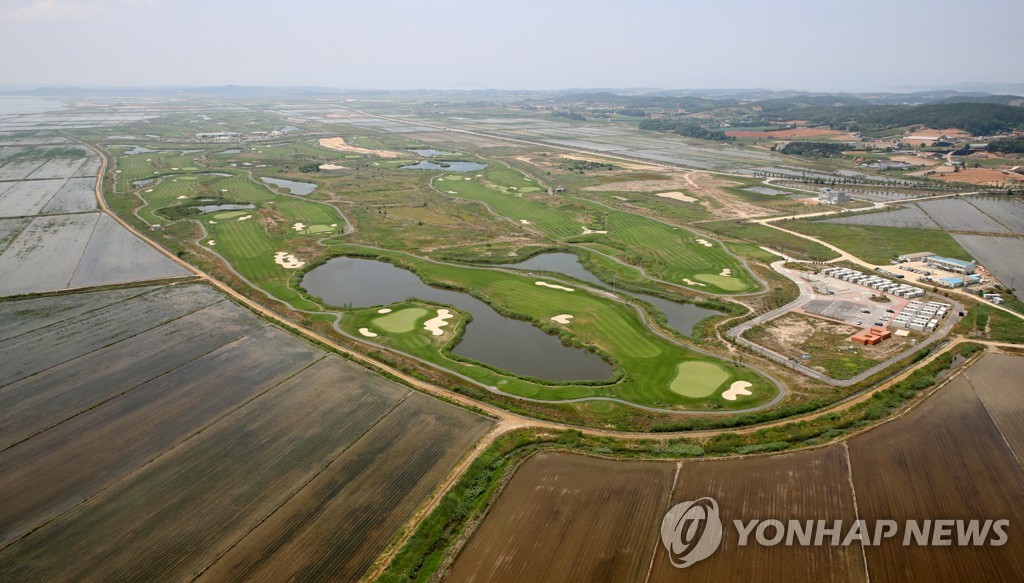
230, 215
401, 321
698, 379
318, 229
722, 281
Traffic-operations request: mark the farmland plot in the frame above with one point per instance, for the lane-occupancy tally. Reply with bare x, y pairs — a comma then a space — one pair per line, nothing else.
908, 216
114, 255
1001, 255
568, 517
22, 316
1008, 211
9, 229
201, 498
948, 460
77, 195
811, 485
43, 400
44, 256
995, 380
90, 168
168, 428
19, 170
57, 168
371, 489
61, 251
31, 353
960, 215
29, 197
52, 472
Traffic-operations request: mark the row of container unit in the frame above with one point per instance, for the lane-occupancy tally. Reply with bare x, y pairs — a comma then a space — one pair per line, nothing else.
921, 316
873, 281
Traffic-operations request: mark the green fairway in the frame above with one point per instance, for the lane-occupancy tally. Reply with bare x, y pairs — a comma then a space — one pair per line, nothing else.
401, 321
667, 252
722, 281
647, 362
230, 215
699, 379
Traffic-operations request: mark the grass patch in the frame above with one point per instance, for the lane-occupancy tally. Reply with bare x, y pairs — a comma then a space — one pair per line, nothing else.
879, 245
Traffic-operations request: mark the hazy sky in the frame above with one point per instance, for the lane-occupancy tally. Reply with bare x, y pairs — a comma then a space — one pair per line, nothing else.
823, 45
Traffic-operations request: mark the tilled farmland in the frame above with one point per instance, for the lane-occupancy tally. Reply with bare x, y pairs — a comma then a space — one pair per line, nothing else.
154, 432
954, 457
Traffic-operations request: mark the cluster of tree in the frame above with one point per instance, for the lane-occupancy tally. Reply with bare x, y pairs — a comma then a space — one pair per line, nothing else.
1012, 145
311, 167
570, 115
684, 128
581, 166
975, 118
813, 149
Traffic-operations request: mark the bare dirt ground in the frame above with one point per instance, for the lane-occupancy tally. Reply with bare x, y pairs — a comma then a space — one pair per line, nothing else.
974, 175
707, 186
340, 145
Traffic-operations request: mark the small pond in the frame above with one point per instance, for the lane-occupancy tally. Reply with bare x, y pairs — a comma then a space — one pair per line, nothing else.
299, 188
449, 166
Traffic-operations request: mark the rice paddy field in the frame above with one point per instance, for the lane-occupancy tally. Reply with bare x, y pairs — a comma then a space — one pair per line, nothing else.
975, 214
166, 433
954, 457
1002, 256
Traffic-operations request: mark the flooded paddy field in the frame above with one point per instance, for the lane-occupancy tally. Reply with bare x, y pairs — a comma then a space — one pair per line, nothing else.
130, 443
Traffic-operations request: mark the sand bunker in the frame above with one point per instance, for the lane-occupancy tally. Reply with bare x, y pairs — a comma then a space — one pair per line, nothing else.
299, 226
737, 389
622, 198
287, 260
332, 167
705, 242
245, 218
562, 318
366, 332
212, 222
340, 145
587, 231
211, 243
688, 281
726, 272
182, 197
435, 324
384, 311
553, 286
334, 225
677, 196
524, 221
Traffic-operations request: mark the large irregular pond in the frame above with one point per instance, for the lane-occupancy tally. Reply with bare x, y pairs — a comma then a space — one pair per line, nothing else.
513, 345
299, 188
449, 166
681, 317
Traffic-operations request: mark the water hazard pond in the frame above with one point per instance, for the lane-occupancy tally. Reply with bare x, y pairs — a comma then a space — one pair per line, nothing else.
513, 345
680, 317
292, 186
445, 165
